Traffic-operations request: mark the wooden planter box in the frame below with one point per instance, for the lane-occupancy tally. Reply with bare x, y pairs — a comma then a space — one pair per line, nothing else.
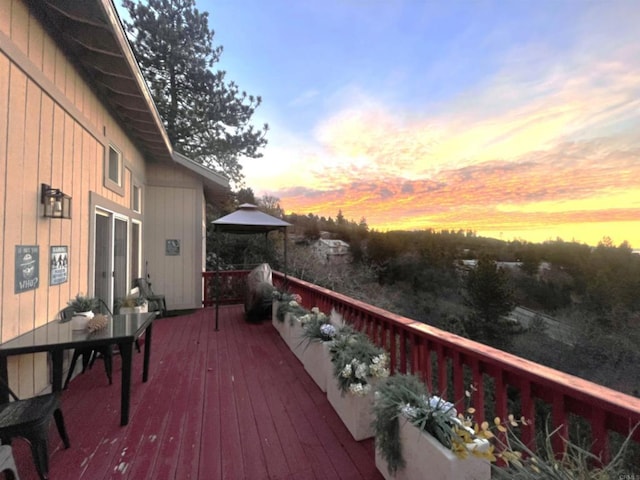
277, 324
426, 457
354, 411
294, 336
317, 363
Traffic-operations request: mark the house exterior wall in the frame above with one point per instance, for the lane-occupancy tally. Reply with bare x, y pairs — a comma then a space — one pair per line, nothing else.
175, 207
54, 130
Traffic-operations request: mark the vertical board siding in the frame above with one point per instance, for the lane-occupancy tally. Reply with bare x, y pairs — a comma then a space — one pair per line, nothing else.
169, 214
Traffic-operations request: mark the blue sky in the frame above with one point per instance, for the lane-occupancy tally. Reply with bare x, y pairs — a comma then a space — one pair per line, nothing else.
517, 119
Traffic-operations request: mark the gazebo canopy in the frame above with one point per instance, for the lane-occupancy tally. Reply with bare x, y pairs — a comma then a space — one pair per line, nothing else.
248, 219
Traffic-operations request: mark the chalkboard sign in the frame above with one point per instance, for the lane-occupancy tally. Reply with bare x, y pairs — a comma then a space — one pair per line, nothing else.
27, 268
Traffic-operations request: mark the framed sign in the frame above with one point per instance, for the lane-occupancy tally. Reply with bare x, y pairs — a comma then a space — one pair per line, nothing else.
172, 247
59, 265
27, 268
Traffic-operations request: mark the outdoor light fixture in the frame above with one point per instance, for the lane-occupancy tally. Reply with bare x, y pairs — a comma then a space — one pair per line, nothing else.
56, 203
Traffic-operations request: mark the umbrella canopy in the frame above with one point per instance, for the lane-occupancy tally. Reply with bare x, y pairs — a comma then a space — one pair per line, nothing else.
247, 219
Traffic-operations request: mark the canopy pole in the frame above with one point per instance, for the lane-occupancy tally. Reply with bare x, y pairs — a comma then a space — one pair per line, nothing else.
285, 258
217, 235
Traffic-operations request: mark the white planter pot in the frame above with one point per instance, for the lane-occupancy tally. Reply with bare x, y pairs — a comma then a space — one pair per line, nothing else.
139, 309
79, 320
354, 411
317, 362
277, 324
426, 457
294, 337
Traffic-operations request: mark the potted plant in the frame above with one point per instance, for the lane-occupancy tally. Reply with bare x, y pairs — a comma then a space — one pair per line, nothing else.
417, 432
283, 304
132, 304
83, 306
317, 337
357, 365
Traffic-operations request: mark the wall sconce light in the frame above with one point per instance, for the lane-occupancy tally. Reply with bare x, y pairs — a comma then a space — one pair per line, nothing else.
56, 203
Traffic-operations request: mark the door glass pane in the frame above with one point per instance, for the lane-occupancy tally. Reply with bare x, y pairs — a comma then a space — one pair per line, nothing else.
135, 251
120, 259
102, 279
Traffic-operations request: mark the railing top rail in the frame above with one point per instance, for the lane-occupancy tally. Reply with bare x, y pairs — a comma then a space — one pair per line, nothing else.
563, 383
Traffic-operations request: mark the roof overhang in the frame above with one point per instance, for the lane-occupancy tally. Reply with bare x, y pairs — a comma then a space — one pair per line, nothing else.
91, 34
215, 185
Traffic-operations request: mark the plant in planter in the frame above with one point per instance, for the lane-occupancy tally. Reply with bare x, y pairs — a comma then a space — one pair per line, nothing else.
357, 364
410, 423
83, 306
317, 335
131, 304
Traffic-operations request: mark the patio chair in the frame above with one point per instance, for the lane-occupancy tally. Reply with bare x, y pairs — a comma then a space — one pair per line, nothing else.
30, 419
157, 303
89, 355
7, 463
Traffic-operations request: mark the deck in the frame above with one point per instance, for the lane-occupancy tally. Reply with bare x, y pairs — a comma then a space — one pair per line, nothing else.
233, 404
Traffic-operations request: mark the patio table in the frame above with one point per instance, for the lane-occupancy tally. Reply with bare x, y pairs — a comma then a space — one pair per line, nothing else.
56, 337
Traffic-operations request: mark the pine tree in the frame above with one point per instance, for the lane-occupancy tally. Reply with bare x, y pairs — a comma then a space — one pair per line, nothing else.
206, 117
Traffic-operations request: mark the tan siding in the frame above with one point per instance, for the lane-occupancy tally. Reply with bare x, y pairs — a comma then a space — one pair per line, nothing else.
20, 25
170, 215
4, 120
36, 40
5, 18
13, 192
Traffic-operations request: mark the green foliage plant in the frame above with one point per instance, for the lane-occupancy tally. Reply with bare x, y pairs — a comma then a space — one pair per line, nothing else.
522, 463
317, 327
356, 361
83, 303
288, 303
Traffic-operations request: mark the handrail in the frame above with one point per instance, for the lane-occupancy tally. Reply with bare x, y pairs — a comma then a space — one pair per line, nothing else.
447, 362
443, 359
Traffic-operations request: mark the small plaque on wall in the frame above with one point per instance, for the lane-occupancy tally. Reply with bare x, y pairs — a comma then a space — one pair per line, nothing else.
27, 265
59, 265
172, 247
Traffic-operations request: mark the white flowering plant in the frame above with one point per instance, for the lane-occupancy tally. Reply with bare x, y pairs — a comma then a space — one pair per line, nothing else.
406, 396
288, 303
356, 361
316, 327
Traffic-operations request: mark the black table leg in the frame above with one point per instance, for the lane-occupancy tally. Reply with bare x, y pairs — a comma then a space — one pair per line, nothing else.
56, 367
147, 352
4, 375
126, 352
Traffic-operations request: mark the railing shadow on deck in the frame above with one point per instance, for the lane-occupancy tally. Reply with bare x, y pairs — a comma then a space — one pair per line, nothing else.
450, 363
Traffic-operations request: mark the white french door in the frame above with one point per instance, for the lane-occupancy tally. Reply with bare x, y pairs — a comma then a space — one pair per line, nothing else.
111, 279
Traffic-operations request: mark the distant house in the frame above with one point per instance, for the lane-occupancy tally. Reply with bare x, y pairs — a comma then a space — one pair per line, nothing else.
331, 251
81, 139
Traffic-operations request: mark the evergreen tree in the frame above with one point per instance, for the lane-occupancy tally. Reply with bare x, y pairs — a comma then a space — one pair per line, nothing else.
206, 117
491, 297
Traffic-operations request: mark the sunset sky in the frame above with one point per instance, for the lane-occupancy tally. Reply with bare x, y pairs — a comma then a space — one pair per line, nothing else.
514, 118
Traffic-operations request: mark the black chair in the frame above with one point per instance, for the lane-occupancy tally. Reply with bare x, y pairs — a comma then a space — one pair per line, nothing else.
89, 355
30, 419
156, 302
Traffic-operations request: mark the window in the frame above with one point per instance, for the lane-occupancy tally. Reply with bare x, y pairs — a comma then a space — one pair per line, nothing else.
114, 171
136, 198
136, 244
114, 166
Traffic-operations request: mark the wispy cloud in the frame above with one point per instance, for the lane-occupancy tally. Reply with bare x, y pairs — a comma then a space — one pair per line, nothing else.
550, 138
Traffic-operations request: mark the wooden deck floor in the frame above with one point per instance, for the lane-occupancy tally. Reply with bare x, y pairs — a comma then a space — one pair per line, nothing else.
233, 404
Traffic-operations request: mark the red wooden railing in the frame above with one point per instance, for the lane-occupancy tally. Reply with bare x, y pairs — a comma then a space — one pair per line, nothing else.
448, 362
232, 287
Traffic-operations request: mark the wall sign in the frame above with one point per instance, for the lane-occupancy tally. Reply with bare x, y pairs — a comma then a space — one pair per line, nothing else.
172, 247
59, 265
27, 264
